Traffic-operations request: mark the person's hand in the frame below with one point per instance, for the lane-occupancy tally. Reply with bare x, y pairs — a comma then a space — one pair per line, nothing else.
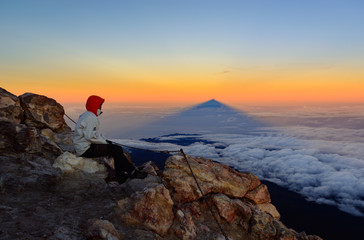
108, 141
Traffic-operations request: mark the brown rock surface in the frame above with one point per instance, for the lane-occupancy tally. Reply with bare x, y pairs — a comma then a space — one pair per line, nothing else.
186, 228
212, 177
10, 109
43, 112
269, 208
151, 208
259, 195
231, 209
262, 226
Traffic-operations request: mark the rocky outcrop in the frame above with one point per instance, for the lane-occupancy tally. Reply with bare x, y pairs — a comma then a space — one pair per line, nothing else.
10, 108
46, 192
33, 123
43, 112
212, 177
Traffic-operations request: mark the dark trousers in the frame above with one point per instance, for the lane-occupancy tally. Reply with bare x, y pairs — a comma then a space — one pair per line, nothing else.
122, 164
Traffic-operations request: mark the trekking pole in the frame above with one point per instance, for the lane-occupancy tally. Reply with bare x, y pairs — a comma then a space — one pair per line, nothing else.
203, 196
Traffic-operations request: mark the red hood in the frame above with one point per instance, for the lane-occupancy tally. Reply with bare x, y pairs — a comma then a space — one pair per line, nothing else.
93, 103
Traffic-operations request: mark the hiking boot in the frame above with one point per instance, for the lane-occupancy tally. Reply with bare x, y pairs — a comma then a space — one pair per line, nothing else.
123, 178
138, 174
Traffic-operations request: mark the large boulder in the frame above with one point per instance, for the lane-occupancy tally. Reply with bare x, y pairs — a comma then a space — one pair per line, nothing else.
69, 163
150, 208
10, 108
212, 177
43, 112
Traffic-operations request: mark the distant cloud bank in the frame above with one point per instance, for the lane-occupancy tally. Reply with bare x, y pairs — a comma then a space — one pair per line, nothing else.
317, 151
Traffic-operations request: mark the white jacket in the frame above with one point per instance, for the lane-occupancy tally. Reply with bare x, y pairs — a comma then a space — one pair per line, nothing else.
87, 132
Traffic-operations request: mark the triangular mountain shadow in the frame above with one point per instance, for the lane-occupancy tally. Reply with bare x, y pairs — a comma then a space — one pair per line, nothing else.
209, 117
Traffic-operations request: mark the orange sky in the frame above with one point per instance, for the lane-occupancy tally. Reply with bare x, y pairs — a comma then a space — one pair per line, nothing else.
194, 85
184, 51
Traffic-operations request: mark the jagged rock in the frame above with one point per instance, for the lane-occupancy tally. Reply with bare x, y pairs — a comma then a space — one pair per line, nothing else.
225, 207
63, 138
186, 228
284, 233
68, 162
35, 136
231, 209
259, 195
269, 208
136, 185
102, 229
212, 177
43, 112
46, 132
18, 137
10, 109
151, 208
64, 141
262, 226
150, 168
193, 208
48, 148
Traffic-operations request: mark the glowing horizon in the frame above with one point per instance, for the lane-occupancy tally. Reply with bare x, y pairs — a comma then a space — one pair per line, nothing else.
162, 51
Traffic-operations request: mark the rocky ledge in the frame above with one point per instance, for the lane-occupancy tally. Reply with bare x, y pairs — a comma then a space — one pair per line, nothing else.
46, 192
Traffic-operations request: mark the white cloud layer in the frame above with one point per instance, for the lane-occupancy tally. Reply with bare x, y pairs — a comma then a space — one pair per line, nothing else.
314, 162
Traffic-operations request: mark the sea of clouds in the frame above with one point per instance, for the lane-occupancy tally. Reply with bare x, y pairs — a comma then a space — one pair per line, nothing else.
317, 151
325, 165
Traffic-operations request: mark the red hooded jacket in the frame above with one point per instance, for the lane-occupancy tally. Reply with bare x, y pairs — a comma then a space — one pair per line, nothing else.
93, 103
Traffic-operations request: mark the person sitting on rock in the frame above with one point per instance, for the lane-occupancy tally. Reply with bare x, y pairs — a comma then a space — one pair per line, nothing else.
90, 143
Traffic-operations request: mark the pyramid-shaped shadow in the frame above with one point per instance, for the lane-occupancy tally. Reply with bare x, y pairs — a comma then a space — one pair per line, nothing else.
209, 117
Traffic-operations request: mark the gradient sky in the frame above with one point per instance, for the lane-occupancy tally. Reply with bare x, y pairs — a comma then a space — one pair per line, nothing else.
184, 51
